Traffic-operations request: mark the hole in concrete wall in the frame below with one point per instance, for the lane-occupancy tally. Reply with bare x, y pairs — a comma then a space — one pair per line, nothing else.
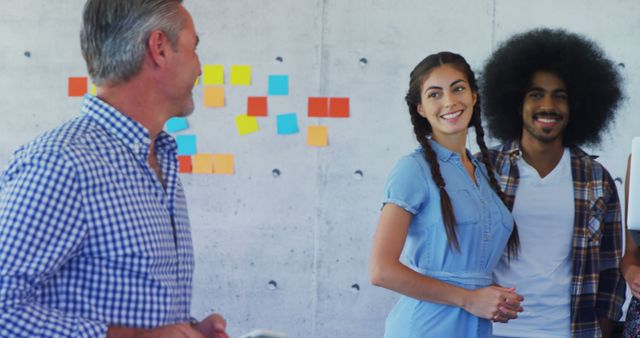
358, 174
27, 54
363, 61
618, 180
272, 285
275, 172
279, 58
621, 65
355, 288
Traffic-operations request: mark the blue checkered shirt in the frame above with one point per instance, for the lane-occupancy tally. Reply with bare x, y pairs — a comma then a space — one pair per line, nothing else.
89, 237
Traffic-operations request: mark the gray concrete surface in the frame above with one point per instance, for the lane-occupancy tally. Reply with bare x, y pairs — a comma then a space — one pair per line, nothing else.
308, 230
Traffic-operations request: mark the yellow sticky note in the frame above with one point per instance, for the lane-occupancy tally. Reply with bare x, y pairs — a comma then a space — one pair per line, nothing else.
212, 75
240, 75
202, 164
318, 136
246, 124
223, 164
213, 96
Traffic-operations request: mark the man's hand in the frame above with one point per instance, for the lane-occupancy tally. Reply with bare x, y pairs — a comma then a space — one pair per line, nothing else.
182, 330
632, 276
214, 326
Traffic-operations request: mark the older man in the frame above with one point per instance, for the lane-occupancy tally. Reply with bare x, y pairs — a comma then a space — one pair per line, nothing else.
94, 230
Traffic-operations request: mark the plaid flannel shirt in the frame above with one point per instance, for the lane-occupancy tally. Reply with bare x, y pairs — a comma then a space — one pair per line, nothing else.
597, 286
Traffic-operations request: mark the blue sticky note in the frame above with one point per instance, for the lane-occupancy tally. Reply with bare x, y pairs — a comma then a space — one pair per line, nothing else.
278, 84
186, 144
175, 124
288, 124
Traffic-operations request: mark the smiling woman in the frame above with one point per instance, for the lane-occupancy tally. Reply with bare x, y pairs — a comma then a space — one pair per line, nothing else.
447, 102
443, 225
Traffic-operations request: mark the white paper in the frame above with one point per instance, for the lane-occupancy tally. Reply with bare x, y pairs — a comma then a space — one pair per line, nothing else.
633, 220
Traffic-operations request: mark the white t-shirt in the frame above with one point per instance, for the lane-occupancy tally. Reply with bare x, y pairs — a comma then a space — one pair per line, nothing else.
544, 214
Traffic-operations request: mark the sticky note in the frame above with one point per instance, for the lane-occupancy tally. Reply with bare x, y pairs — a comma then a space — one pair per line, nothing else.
212, 75
78, 86
223, 164
184, 164
288, 124
318, 107
94, 90
213, 97
278, 84
339, 107
240, 75
186, 144
318, 136
203, 164
175, 124
257, 106
246, 124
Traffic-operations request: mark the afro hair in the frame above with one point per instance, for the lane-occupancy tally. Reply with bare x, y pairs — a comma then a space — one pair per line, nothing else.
593, 83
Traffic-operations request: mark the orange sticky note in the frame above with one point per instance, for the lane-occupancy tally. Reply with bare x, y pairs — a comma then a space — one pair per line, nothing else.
78, 86
318, 136
257, 106
184, 164
203, 164
213, 96
339, 107
223, 164
318, 107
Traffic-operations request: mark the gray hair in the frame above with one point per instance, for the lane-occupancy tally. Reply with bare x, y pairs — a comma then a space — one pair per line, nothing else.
115, 32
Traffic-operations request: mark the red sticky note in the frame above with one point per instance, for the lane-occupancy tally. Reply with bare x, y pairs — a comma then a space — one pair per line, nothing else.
78, 86
339, 107
257, 106
184, 164
318, 107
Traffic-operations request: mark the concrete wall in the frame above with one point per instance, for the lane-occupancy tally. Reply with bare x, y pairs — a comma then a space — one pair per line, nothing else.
308, 230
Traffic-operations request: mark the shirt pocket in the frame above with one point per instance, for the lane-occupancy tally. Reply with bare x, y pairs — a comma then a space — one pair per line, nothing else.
596, 214
504, 216
465, 206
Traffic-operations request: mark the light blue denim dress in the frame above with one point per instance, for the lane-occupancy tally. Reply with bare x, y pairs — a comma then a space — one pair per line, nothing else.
484, 226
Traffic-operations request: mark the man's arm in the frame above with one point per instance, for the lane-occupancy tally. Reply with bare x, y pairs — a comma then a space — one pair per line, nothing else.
40, 230
611, 285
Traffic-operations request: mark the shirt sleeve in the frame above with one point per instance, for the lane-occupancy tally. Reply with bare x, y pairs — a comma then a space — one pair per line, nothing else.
611, 285
407, 186
41, 228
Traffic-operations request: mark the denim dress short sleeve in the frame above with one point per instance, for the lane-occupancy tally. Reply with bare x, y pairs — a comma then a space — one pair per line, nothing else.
403, 188
483, 226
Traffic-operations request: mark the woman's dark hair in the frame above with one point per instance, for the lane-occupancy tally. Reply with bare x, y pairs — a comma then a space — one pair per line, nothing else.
592, 81
423, 130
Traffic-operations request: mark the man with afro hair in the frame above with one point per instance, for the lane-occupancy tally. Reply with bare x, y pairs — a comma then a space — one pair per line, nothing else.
546, 92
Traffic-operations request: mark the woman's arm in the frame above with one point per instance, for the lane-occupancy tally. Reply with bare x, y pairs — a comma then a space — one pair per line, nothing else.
387, 271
